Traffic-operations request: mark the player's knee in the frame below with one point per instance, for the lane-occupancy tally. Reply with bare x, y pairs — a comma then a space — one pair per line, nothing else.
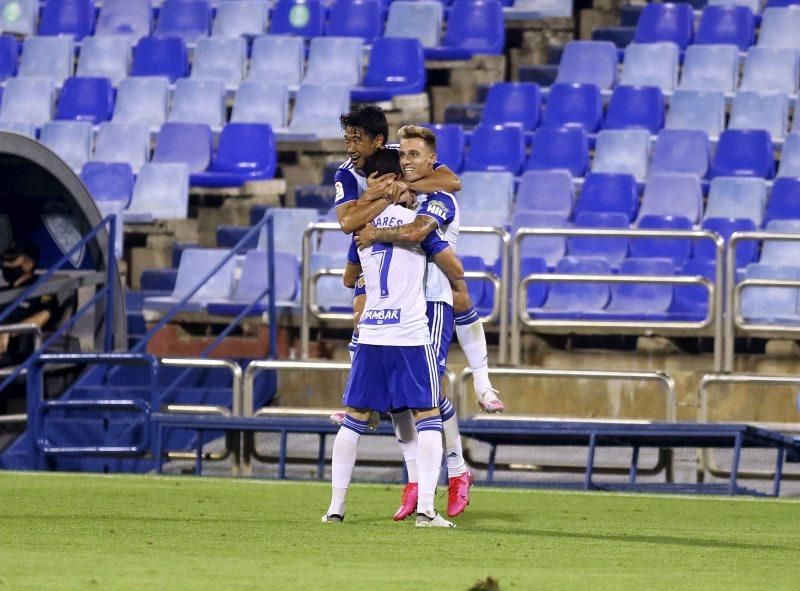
424, 413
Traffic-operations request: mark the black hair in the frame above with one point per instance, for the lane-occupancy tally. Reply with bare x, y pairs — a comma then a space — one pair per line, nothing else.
383, 162
17, 250
370, 118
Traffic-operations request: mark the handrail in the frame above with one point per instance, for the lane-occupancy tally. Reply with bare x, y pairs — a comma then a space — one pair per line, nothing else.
24, 328
524, 233
232, 366
305, 282
313, 305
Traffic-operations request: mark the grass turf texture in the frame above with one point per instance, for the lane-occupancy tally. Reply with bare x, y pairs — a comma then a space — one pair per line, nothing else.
68, 531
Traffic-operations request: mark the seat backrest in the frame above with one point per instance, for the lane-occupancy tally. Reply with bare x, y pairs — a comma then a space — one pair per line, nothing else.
221, 59
612, 249
355, 18
588, 62
732, 197
744, 152
19, 16
486, 192
666, 22
770, 69
643, 298
779, 27
74, 18
142, 101
122, 142
238, 18
124, 18
277, 59
304, 18
554, 148
254, 281
26, 129
188, 143
548, 248
260, 101
71, 140
161, 191
546, 191
512, 103
778, 252
672, 194
635, 107
396, 62
195, 264
579, 297
729, 23
710, 68
745, 250
477, 26
317, 109
198, 101
681, 150
704, 111
108, 181
46, 57
622, 151
334, 60
574, 105
485, 246
675, 249
651, 64
289, 224
86, 99
160, 57
753, 5
693, 299
9, 55
28, 100
608, 192
790, 157
449, 145
105, 57
757, 110
784, 201
771, 305
420, 20
496, 148
187, 19
246, 147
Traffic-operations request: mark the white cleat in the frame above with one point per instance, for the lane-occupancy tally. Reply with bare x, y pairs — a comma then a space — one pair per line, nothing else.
489, 402
435, 521
332, 518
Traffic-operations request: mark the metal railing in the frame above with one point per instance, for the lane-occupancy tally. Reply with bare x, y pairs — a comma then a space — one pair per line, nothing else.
305, 283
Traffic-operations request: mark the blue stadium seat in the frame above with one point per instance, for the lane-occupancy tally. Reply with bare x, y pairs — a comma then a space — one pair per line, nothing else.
726, 24
449, 145
771, 305
473, 27
317, 109
651, 64
513, 103
545, 191
485, 246
704, 111
420, 20
26, 129
779, 27
158, 280
161, 192
739, 198
784, 201
790, 156
672, 194
573, 300
335, 243
71, 140
187, 143
108, 181
537, 9
744, 152
564, 148
753, 5
133, 20
548, 248
613, 250
74, 18
47, 57
290, 223
164, 56
778, 252
770, 69
105, 57
537, 291
745, 251
588, 62
18, 17
240, 18
640, 301
222, 59
142, 101
496, 148
622, 151
198, 101
681, 150
259, 101
355, 18
605, 192
677, 250
86, 99
331, 294
304, 18
666, 22
277, 59
122, 142
487, 192
758, 110
27, 100
396, 66
246, 152
334, 60
635, 107
186, 19
476, 288
710, 68
9, 54
690, 302
571, 105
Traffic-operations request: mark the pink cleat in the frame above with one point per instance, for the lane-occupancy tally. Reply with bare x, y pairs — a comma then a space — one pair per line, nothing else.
489, 402
458, 494
408, 503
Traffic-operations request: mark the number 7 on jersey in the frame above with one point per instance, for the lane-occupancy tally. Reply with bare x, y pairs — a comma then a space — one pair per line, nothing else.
383, 250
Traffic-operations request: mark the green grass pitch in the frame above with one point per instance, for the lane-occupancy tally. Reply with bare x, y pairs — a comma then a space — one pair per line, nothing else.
67, 531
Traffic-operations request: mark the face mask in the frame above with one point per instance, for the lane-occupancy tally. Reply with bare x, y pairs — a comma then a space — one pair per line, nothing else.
11, 274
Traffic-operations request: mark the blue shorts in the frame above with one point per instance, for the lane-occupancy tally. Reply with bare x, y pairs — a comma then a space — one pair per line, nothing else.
384, 377
440, 323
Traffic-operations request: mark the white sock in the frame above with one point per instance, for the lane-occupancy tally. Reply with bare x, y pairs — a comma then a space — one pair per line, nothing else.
456, 465
406, 432
345, 447
472, 339
429, 461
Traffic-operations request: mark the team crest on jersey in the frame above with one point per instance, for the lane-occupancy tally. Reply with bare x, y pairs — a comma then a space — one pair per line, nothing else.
437, 208
381, 317
339, 190
361, 282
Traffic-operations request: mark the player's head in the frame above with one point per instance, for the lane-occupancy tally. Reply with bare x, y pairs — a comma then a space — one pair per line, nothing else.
417, 151
383, 161
365, 130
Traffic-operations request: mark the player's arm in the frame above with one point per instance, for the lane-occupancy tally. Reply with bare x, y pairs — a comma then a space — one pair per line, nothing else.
441, 179
353, 268
413, 233
353, 210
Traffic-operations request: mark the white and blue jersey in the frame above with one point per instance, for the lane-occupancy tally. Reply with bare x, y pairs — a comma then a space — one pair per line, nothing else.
443, 208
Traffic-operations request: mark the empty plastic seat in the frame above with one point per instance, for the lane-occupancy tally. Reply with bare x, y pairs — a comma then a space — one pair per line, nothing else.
108, 181
71, 140
198, 101
704, 111
142, 101
18, 16
304, 18
396, 66
330, 294
738, 198
289, 224
564, 148
690, 302
588, 62
475, 287
744, 152
26, 129
545, 191
105, 57
784, 201
277, 59
612, 249
189, 143
161, 192
779, 252
9, 53
622, 151
672, 194
726, 24
635, 107
186, 19
240, 18
122, 142
675, 249
74, 18
681, 150
486, 246
355, 18
334, 60
790, 157
86, 99
261, 102
665, 22
745, 250
496, 148
449, 145
640, 301
317, 109
605, 192
753, 5
220, 59
710, 67
420, 20
27, 100
756, 110
572, 300
246, 152
46, 57
487, 192
548, 248
770, 69
512, 103
160, 57
124, 18
473, 27
779, 27
651, 64
571, 105
537, 291
771, 305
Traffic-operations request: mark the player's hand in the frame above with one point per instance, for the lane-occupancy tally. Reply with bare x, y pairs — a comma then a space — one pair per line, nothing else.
378, 187
365, 237
3, 343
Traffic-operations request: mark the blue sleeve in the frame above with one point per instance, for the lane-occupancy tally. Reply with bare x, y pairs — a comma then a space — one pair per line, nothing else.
346, 187
439, 206
352, 253
437, 164
433, 244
